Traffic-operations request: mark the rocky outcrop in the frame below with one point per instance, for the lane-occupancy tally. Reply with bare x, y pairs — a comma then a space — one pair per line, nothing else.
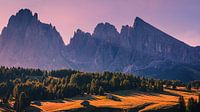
106, 32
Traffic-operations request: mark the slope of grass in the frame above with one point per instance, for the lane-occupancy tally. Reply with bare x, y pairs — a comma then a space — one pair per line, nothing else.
129, 99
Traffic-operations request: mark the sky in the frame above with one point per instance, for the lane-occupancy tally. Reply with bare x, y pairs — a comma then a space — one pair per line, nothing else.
178, 18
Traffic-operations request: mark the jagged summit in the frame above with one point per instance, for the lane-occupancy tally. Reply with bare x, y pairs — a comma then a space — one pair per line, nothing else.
23, 17
138, 20
24, 12
105, 28
79, 31
140, 23
106, 32
125, 28
79, 34
27, 13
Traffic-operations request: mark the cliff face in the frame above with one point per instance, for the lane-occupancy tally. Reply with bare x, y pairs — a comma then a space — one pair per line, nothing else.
27, 42
133, 49
141, 48
152, 41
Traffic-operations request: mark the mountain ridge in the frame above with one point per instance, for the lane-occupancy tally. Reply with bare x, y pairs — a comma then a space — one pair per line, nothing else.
27, 42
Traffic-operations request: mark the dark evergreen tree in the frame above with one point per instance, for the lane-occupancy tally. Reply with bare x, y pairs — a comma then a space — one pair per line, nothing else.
189, 86
101, 91
192, 105
22, 102
181, 104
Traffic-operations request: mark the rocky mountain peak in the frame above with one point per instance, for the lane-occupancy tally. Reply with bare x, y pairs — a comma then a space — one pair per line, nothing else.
80, 33
106, 32
22, 18
138, 21
104, 27
126, 29
143, 25
24, 13
79, 37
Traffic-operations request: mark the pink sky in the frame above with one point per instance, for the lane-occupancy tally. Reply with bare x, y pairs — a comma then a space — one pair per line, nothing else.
179, 18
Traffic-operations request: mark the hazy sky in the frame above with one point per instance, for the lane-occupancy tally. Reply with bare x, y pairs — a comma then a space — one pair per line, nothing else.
179, 18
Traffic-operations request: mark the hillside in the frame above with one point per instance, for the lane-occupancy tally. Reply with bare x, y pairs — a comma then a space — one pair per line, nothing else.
129, 100
69, 90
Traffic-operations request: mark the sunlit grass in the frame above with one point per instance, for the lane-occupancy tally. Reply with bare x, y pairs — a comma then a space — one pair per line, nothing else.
128, 99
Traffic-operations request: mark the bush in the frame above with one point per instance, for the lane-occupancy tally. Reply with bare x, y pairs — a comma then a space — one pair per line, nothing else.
85, 103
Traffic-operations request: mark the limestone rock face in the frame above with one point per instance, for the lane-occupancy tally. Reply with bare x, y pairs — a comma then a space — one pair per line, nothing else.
106, 32
141, 49
27, 42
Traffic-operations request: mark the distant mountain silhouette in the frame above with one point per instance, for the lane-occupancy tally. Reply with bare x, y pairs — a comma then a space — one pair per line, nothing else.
141, 49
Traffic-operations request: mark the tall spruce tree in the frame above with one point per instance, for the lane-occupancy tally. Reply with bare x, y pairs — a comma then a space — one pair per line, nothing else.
181, 105
22, 102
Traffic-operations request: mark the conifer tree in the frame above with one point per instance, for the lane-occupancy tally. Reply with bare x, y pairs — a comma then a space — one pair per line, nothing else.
192, 105
181, 106
101, 91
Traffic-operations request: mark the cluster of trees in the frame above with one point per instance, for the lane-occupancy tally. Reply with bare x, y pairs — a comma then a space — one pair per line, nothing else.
173, 83
189, 85
25, 85
192, 105
49, 87
193, 84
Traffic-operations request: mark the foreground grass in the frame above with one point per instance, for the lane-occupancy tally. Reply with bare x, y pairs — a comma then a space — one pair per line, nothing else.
129, 99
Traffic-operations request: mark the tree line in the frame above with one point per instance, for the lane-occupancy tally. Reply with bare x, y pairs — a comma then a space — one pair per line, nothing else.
25, 85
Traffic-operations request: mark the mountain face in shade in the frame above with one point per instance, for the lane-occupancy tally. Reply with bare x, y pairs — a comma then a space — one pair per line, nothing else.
141, 49
27, 42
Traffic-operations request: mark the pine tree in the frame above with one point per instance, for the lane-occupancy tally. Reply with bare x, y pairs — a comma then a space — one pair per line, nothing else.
182, 106
192, 105
198, 104
101, 91
22, 102
19, 103
189, 86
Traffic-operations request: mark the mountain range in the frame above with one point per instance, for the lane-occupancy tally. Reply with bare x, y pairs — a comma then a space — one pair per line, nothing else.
141, 49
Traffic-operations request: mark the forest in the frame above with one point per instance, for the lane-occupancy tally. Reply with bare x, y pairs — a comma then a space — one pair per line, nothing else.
25, 85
